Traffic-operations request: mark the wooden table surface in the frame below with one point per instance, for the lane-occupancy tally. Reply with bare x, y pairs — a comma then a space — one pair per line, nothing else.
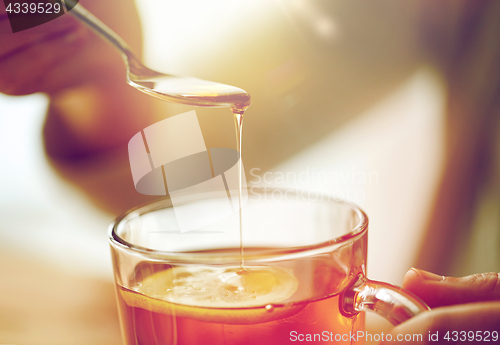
41, 305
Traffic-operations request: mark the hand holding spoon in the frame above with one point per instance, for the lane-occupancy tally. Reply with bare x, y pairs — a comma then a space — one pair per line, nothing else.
184, 90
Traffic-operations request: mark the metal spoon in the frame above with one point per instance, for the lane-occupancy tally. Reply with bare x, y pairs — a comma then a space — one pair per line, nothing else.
184, 90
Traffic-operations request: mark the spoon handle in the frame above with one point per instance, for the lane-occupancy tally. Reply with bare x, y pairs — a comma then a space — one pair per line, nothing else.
134, 65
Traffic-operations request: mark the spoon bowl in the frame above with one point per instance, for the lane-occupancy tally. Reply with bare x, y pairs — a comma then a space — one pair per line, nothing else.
192, 91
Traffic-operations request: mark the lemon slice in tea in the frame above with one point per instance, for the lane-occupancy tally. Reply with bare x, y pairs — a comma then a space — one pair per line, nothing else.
224, 295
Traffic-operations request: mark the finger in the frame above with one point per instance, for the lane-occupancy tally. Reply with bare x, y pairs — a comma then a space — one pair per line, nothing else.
27, 71
4, 21
2, 9
470, 323
439, 291
10, 42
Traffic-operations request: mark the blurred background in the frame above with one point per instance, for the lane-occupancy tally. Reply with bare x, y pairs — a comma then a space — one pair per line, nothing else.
349, 97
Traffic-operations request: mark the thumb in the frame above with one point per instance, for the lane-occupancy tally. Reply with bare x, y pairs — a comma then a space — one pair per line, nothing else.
438, 291
475, 323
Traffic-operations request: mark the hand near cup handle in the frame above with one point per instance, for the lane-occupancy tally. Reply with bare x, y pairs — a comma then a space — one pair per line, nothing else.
465, 308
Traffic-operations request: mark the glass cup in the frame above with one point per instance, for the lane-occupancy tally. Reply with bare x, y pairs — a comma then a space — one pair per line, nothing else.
300, 273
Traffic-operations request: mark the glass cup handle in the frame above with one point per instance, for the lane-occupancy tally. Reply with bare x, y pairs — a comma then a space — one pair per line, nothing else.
389, 301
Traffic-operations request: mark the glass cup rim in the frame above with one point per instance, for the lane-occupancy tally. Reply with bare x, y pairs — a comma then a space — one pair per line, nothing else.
206, 257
